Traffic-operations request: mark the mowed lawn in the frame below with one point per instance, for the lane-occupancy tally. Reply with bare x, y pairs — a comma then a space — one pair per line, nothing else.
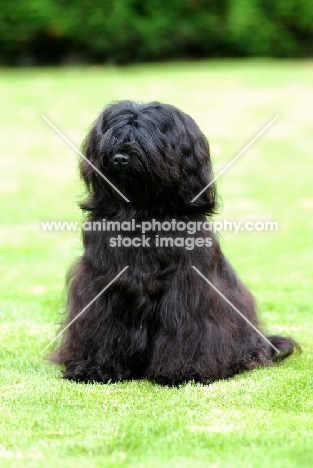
259, 419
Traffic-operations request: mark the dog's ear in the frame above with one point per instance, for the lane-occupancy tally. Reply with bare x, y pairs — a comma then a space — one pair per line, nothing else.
90, 149
89, 167
197, 173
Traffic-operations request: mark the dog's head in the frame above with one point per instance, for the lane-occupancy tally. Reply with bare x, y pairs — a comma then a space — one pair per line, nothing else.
154, 154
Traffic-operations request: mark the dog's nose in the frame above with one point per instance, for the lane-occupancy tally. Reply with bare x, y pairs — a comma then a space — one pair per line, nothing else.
120, 160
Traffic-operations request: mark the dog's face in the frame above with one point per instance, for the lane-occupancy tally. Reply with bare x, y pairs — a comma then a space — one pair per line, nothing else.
153, 153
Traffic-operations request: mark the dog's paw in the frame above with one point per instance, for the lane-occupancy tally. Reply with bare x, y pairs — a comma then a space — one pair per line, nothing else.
89, 374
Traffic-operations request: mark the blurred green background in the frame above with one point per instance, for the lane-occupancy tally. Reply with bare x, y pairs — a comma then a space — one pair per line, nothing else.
127, 31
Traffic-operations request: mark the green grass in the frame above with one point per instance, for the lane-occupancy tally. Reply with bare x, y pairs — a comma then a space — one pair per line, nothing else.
259, 419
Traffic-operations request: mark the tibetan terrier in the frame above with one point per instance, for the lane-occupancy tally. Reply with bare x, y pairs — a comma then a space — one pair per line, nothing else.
153, 296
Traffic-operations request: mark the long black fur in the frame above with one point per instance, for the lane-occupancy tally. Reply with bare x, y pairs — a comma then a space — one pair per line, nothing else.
159, 320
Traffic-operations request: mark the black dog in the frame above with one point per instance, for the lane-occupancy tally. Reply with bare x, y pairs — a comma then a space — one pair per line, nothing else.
159, 319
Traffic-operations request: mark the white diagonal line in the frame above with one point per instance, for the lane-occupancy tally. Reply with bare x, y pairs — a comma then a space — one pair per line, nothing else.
83, 156
237, 310
85, 308
236, 157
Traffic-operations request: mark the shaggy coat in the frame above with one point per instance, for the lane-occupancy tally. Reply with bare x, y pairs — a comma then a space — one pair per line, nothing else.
160, 319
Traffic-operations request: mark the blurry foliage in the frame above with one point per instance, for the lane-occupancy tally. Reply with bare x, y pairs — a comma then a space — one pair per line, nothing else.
123, 31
